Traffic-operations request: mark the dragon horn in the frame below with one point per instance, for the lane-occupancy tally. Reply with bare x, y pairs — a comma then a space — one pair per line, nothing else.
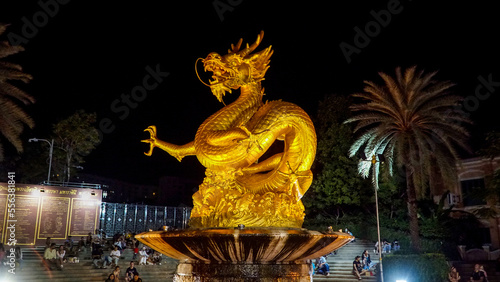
235, 49
252, 47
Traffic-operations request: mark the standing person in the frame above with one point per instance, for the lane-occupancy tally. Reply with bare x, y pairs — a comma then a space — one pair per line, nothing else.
323, 267
477, 275
135, 245
453, 276
357, 269
60, 255
130, 272
47, 243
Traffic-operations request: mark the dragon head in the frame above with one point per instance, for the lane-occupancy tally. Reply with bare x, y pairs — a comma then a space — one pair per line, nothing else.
237, 68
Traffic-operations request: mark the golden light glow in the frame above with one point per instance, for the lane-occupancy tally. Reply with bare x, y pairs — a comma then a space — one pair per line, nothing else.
240, 187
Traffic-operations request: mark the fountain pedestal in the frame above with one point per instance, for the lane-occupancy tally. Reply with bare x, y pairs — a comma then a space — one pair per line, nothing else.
249, 254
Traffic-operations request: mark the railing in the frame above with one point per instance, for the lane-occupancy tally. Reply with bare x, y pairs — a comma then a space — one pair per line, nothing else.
74, 184
120, 218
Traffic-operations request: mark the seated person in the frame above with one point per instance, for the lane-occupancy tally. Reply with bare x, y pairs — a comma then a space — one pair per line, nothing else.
396, 245
453, 275
111, 278
131, 272
144, 256
115, 256
357, 269
116, 272
323, 267
136, 278
81, 244
98, 257
477, 274
70, 242
88, 241
366, 261
61, 253
50, 257
386, 247
157, 258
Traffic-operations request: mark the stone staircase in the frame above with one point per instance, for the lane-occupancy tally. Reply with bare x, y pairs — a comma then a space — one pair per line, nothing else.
33, 270
340, 267
341, 263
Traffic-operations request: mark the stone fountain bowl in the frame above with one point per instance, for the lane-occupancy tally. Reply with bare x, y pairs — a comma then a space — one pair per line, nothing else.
247, 245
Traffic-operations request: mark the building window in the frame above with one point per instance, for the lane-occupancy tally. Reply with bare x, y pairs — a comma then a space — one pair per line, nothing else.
473, 192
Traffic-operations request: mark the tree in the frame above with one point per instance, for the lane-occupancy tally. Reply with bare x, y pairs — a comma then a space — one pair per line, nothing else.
77, 137
336, 183
415, 122
12, 116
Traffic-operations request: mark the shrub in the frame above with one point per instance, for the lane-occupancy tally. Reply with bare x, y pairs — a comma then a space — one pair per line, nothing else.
415, 268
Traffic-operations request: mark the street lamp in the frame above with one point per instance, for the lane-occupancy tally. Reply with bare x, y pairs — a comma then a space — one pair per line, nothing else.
375, 185
51, 144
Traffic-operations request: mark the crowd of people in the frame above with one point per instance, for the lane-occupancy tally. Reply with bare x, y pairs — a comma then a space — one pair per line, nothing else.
478, 274
142, 256
56, 256
387, 246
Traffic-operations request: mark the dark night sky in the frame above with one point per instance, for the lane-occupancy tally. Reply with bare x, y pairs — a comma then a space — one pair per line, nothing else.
90, 52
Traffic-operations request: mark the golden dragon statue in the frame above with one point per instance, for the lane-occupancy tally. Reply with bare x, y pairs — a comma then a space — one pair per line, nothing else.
239, 187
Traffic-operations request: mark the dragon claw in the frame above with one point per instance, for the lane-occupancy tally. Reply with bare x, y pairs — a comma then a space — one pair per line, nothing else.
152, 132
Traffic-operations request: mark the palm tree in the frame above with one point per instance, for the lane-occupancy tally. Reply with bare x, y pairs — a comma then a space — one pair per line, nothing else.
12, 116
414, 122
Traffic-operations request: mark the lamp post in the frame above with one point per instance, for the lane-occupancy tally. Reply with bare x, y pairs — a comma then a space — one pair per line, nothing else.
375, 184
51, 144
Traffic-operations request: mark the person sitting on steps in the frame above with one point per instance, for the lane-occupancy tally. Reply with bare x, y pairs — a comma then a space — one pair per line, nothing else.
323, 267
357, 269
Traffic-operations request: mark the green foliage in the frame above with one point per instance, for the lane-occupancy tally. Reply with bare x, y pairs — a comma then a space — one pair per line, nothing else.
411, 119
430, 267
76, 136
336, 183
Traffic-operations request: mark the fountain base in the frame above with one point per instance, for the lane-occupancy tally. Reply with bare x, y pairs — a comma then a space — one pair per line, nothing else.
248, 254
191, 272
